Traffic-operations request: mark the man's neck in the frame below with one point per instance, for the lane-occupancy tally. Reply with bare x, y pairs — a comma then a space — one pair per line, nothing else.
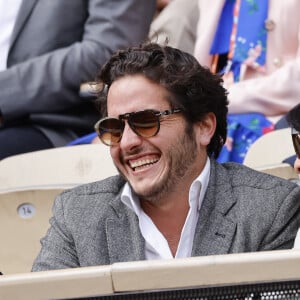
168, 218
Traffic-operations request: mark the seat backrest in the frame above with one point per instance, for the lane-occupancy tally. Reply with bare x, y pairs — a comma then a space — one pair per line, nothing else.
28, 186
271, 148
281, 170
65, 166
24, 221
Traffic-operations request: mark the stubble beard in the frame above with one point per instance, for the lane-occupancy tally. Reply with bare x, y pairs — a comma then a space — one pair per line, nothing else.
182, 154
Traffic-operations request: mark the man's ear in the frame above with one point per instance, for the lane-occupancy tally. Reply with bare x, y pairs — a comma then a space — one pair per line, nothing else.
205, 129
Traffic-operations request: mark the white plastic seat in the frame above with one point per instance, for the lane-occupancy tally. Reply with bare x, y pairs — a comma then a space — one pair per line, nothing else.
65, 166
24, 219
29, 184
271, 148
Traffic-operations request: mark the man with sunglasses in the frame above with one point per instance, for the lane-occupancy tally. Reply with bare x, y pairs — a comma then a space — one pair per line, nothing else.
165, 124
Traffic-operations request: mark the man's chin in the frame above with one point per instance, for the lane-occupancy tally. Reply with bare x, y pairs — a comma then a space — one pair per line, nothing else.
142, 191
149, 193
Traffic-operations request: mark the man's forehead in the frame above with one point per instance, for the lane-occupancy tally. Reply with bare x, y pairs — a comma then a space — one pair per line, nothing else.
135, 93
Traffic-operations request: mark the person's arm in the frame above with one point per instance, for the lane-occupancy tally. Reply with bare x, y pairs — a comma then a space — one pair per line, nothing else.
286, 223
50, 82
271, 95
57, 247
276, 93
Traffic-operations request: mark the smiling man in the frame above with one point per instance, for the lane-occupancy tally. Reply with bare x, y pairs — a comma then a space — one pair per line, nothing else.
165, 124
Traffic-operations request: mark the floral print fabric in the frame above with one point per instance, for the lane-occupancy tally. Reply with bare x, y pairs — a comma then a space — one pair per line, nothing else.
242, 36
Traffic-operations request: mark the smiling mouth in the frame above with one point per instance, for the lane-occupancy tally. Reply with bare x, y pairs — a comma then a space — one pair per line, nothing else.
142, 164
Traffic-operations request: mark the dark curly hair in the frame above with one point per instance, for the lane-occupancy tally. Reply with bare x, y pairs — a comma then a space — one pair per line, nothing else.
192, 87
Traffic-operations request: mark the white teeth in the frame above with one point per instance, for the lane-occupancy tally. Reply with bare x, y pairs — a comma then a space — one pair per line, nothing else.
142, 162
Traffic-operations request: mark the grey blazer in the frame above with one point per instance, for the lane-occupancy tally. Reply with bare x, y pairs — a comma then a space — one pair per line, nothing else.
243, 211
57, 45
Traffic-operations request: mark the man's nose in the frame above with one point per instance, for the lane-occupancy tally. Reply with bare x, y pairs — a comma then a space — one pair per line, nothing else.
129, 138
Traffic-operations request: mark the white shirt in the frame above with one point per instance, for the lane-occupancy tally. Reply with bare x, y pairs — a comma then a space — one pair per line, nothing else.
156, 245
8, 15
297, 240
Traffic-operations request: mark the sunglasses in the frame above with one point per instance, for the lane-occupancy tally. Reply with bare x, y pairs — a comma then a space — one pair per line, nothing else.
296, 141
145, 123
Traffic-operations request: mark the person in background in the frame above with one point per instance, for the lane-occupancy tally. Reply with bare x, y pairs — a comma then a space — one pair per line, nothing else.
293, 119
47, 49
260, 65
282, 124
165, 124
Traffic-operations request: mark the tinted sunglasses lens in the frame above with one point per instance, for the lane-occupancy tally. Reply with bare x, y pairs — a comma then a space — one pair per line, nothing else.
296, 142
110, 131
144, 123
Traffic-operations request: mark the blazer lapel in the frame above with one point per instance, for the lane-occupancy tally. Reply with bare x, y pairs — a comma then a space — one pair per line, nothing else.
214, 233
215, 230
23, 15
124, 240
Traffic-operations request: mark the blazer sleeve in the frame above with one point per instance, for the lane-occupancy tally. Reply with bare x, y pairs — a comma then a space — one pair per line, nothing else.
58, 246
283, 230
50, 82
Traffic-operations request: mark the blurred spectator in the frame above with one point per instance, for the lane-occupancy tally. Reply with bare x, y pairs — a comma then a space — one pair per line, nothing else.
293, 119
284, 123
47, 49
261, 67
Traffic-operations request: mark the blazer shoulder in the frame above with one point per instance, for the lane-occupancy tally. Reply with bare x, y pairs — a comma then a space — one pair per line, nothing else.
244, 174
110, 185
241, 175
98, 197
